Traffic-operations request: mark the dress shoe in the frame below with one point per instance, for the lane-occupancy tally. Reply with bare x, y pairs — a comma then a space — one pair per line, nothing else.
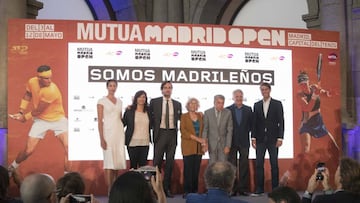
257, 194
243, 194
233, 194
168, 194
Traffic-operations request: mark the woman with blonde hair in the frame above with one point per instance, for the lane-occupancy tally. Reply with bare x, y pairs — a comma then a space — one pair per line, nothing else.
191, 127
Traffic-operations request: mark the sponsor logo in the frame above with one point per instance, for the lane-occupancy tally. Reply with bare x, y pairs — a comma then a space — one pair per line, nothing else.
114, 53
332, 57
229, 56
251, 57
142, 54
19, 49
198, 55
85, 53
174, 54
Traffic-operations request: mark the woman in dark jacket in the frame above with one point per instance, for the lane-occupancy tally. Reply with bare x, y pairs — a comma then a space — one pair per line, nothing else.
137, 135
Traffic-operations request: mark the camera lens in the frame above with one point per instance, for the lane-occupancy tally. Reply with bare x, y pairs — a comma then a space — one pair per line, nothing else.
319, 176
147, 175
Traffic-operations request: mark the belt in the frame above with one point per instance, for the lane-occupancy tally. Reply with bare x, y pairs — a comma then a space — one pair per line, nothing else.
167, 129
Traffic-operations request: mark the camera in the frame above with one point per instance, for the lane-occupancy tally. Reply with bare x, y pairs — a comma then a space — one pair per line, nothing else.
320, 168
147, 172
80, 198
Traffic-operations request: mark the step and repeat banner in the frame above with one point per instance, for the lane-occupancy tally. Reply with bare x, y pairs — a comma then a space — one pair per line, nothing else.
200, 60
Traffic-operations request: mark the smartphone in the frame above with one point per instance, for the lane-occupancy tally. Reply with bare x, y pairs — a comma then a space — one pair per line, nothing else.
80, 198
147, 172
320, 167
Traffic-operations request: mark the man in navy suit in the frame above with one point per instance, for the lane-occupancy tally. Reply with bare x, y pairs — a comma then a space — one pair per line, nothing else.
242, 123
165, 114
267, 134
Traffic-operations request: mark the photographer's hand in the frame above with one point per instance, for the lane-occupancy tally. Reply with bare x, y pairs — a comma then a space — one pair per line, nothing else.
325, 181
65, 199
312, 184
93, 199
157, 185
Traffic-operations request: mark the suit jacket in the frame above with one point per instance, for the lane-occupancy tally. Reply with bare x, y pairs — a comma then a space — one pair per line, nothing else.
337, 197
272, 126
218, 135
188, 145
212, 196
156, 112
129, 121
241, 136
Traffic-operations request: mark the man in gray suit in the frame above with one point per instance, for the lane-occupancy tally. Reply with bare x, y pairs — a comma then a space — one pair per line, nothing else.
218, 128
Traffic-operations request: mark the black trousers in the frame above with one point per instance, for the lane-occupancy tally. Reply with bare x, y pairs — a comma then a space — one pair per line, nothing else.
138, 156
260, 155
191, 173
241, 183
166, 144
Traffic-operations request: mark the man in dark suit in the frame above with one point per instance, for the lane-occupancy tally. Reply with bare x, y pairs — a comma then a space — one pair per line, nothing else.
218, 130
242, 123
165, 114
267, 134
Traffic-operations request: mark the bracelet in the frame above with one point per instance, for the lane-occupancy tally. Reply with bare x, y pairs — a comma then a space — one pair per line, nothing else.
307, 194
328, 191
28, 116
24, 103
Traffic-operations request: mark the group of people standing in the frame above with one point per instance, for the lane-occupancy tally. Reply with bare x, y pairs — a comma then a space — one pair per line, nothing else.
162, 116
223, 132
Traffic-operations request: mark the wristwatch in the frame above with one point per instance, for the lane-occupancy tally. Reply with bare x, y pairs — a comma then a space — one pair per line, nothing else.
307, 194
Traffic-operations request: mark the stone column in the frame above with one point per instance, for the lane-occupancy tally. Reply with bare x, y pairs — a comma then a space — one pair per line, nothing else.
8, 9
176, 11
11, 9
160, 10
354, 25
355, 49
333, 17
312, 18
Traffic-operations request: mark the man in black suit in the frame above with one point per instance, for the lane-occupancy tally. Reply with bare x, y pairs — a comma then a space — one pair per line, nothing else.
267, 134
242, 123
165, 114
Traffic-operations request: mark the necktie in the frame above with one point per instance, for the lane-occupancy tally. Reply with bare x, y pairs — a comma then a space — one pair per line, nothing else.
218, 115
167, 115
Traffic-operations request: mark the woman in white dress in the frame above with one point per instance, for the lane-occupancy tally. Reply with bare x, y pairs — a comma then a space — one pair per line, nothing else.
111, 131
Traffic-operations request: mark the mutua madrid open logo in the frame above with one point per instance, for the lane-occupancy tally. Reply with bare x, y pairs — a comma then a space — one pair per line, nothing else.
251, 57
198, 55
142, 54
84, 53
